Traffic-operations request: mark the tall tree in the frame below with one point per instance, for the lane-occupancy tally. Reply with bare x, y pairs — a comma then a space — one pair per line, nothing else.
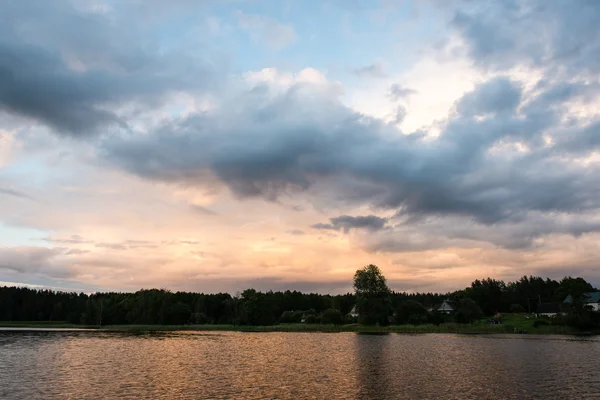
373, 296
575, 287
488, 294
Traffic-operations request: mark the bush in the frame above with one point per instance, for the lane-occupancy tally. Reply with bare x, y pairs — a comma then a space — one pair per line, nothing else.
468, 311
540, 322
411, 312
349, 319
517, 308
290, 317
310, 319
582, 320
199, 318
332, 316
417, 319
436, 318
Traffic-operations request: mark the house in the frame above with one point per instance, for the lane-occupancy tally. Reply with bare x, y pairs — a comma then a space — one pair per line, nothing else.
550, 309
447, 307
354, 314
590, 299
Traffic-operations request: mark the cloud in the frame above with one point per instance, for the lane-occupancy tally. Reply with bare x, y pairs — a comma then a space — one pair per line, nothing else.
35, 260
76, 252
129, 244
496, 95
73, 239
304, 141
111, 246
266, 30
455, 232
346, 222
371, 71
74, 69
202, 210
15, 193
562, 35
139, 244
306, 286
397, 92
503, 159
400, 115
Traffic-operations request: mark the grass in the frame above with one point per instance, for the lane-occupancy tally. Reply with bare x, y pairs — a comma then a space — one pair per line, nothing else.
43, 324
510, 322
526, 322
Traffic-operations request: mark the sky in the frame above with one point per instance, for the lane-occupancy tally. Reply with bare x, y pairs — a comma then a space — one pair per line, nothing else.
219, 145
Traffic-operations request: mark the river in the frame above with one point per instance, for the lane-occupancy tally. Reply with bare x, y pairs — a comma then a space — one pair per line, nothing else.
233, 365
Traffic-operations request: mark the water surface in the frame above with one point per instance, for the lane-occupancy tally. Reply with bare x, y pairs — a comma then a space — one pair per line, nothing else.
233, 365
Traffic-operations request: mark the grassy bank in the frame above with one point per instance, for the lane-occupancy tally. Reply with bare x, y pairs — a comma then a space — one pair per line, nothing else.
510, 322
43, 324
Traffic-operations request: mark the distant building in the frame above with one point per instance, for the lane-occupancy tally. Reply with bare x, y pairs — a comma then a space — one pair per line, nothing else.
447, 307
550, 309
354, 312
590, 299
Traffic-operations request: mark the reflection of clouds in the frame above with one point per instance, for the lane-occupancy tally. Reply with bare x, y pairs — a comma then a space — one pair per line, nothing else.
193, 365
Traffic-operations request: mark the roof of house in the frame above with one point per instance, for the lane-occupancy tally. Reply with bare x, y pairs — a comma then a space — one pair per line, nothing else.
448, 302
593, 297
550, 308
588, 297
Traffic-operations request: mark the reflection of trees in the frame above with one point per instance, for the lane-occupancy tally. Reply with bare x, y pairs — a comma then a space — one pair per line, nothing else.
374, 375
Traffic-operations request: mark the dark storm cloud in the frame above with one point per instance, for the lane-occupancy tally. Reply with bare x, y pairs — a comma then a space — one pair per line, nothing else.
273, 145
494, 96
37, 85
562, 34
346, 222
70, 69
437, 233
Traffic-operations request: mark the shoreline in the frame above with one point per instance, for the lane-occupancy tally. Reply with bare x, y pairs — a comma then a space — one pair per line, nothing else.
299, 328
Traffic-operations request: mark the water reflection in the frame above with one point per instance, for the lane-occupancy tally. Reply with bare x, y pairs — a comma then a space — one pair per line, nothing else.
193, 365
372, 354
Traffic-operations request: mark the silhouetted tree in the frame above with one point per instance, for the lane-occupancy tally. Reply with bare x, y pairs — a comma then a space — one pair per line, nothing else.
373, 297
411, 312
332, 316
468, 311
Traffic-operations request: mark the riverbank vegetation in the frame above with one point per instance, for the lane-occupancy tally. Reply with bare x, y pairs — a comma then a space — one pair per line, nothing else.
481, 327
486, 306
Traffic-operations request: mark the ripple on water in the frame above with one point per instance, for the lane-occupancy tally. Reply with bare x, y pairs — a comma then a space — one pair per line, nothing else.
231, 365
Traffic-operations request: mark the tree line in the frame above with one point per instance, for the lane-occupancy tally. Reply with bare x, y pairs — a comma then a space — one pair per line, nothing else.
374, 301
377, 304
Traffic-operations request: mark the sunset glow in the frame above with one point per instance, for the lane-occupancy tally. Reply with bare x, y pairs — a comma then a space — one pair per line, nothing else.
220, 145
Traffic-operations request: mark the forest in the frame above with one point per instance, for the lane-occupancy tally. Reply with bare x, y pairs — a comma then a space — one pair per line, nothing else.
484, 297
